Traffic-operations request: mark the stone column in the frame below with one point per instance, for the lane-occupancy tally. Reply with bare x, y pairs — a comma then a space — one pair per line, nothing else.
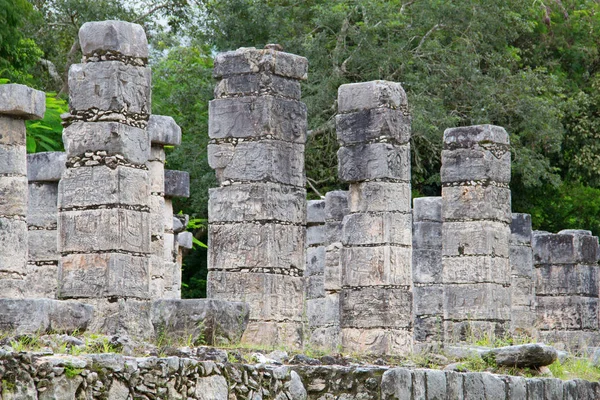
566, 287
475, 232
522, 285
427, 272
373, 128
257, 127
17, 103
163, 131
177, 184
104, 218
43, 172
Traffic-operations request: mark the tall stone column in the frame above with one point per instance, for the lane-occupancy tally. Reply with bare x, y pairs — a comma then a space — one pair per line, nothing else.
104, 218
257, 128
373, 128
163, 131
522, 285
428, 289
566, 287
475, 232
43, 172
17, 103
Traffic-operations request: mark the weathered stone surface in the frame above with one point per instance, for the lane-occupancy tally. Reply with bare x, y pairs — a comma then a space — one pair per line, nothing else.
12, 131
367, 95
476, 269
333, 267
336, 205
271, 334
104, 230
427, 265
45, 166
333, 231
428, 329
377, 340
315, 260
259, 246
220, 155
42, 205
185, 240
43, 245
521, 261
526, 355
257, 202
520, 228
13, 195
567, 312
477, 301
257, 84
327, 338
122, 316
257, 117
475, 136
271, 297
379, 196
475, 238
374, 161
379, 124
177, 183
324, 311
373, 266
315, 212
21, 101
103, 275
315, 287
555, 280
42, 315
476, 203
247, 60
372, 307
466, 165
110, 85
121, 37
377, 229
13, 160
522, 291
13, 245
101, 185
265, 161
163, 130
428, 300
427, 209
113, 137
217, 321
156, 175
564, 249
427, 235
396, 383
41, 281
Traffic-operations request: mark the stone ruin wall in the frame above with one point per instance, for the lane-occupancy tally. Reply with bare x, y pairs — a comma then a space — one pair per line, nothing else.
359, 270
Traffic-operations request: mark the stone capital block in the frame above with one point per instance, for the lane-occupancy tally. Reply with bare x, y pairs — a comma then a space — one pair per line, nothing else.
110, 85
427, 209
427, 235
271, 297
257, 117
567, 313
315, 212
121, 37
177, 183
113, 137
13, 160
476, 269
521, 261
104, 230
336, 205
13, 196
520, 228
475, 238
12, 131
476, 203
273, 334
554, 280
43, 245
257, 202
367, 197
476, 301
13, 245
428, 300
324, 311
163, 130
475, 136
249, 60
46, 167
377, 229
103, 275
22, 102
374, 307
42, 205
427, 265
374, 161
378, 341
373, 125
265, 161
564, 249
101, 185
466, 165
260, 246
376, 266
368, 95
257, 84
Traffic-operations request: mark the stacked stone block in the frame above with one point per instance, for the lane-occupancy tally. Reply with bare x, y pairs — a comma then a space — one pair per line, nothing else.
163, 131
566, 287
373, 129
257, 128
476, 215
104, 210
43, 173
17, 103
428, 290
522, 286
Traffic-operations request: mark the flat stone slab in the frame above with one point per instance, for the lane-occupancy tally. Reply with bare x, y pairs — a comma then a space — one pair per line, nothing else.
217, 321
46, 167
22, 101
164, 130
121, 37
43, 315
525, 355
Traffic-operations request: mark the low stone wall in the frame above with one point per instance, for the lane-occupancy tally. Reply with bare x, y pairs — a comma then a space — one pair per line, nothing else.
116, 377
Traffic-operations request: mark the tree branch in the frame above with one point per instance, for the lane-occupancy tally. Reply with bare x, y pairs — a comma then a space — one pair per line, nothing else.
406, 5
429, 32
150, 12
308, 180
